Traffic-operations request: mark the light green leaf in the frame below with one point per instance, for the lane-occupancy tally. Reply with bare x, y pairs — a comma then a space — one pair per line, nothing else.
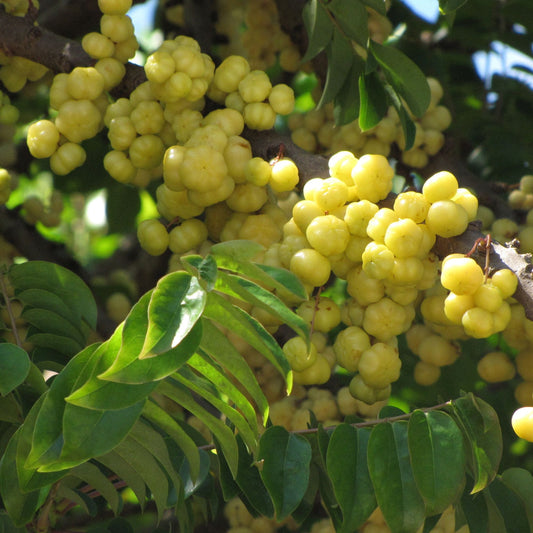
58, 280
242, 324
352, 17
392, 476
346, 461
203, 267
14, 367
283, 281
175, 305
239, 250
406, 78
483, 439
437, 457
286, 458
374, 103
219, 348
319, 27
339, 53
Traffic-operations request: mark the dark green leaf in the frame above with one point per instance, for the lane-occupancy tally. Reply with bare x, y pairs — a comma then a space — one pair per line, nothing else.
348, 102
10, 410
250, 482
58, 280
161, 419
476, 513
285, 473
339, 53
59, 343
175, 305
406, 78
393, 479
379, 5
50, 322
521, 481
352, 17
92, 475
319, 27
510, 506
408, 126
438, 458
348, 471
483, 439
7, 525
175, 391
373, 104
190, 484
14, 367
122, 207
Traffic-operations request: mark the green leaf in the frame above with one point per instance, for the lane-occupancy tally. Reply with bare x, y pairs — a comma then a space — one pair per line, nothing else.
251, 292
58, 280
49, 301
285, 473
282, 280
162, 420
21, 506
408, 126
379, 5
250, 482
476, 513
144, 463
175, 391
125, 471
406, 78
47, 437
175, 305
348, 470
128, 368
89, 433
348, 101
239, 250
122, 207
510, 505
352, 17
14, 367
319, 27
483, 439
58, 343
449, 6
10, 410
8, 526
219, 348
339, 53
204, 267
49, 322
92, 475
374, 103
242, 324
393, 479
204, 389
521, 481
437, 457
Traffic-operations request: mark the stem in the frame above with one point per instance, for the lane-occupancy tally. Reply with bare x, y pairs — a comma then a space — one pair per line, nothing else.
43, 521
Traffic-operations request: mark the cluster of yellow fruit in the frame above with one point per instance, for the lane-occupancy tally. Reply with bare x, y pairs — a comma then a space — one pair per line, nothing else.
19, 8
80, 97
522, 197
315, 131
262, 42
